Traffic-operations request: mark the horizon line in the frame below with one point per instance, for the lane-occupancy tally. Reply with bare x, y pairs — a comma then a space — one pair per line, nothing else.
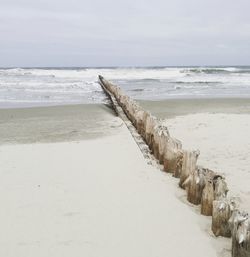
119, 66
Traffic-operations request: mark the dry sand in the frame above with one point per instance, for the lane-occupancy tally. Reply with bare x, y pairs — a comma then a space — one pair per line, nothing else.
93, 198
224, 143
219, 128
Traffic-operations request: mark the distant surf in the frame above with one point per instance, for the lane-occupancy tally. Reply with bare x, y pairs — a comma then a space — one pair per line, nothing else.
56, 86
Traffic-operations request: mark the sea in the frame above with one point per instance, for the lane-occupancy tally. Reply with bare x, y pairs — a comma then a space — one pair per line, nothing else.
29, 87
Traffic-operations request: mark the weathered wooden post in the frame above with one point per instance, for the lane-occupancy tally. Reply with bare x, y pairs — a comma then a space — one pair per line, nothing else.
222, 211
160, 137
106, 83
208, 194
129, 109
139, 121
144, 120
150, 124
163, 139
173, 155
222, 208
156, 139
132, 108
188, 165
127, 106
195, 184
117, 93
123, 102
240, 225
220, 187
179, 161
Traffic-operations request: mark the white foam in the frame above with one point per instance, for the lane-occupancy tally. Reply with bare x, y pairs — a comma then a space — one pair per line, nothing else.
81, 85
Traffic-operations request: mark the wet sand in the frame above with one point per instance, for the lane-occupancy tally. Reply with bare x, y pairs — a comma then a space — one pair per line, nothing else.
176, 107
57, 123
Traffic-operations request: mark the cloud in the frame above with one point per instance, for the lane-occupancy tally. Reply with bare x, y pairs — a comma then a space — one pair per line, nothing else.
104, 33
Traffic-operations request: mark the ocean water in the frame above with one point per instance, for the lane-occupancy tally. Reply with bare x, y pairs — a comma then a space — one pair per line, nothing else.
21, 87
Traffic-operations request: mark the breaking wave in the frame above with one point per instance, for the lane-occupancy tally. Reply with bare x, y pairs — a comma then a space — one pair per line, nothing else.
197, 82
46, 86
219, 70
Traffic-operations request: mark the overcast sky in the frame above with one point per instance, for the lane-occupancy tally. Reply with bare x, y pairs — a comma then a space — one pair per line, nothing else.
124, 33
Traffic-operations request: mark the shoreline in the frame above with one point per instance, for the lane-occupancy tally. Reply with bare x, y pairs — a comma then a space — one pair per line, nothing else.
57, 123
178, 107
144, 102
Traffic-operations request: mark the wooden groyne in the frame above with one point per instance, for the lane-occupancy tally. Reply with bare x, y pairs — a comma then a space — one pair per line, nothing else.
204, 187
119, 111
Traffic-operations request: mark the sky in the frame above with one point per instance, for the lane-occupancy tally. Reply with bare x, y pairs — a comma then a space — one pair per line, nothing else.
44, 33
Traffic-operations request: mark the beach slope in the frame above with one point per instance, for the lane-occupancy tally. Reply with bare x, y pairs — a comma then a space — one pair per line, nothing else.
96, 197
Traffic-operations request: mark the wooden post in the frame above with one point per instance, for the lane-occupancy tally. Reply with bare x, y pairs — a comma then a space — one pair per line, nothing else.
179, 160
188, 165
139, 122
156, 139
220, 187
124, 102
222, 212
144, 120
117, 93
195, 184
222, 208
173, 155
150, 124
132, 109
240, 234
163, 138
208, 194
160, 138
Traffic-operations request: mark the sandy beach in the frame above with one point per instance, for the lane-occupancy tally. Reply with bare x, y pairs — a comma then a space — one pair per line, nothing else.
172, 108
124, 128
219, 128
92, 196
56, 124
